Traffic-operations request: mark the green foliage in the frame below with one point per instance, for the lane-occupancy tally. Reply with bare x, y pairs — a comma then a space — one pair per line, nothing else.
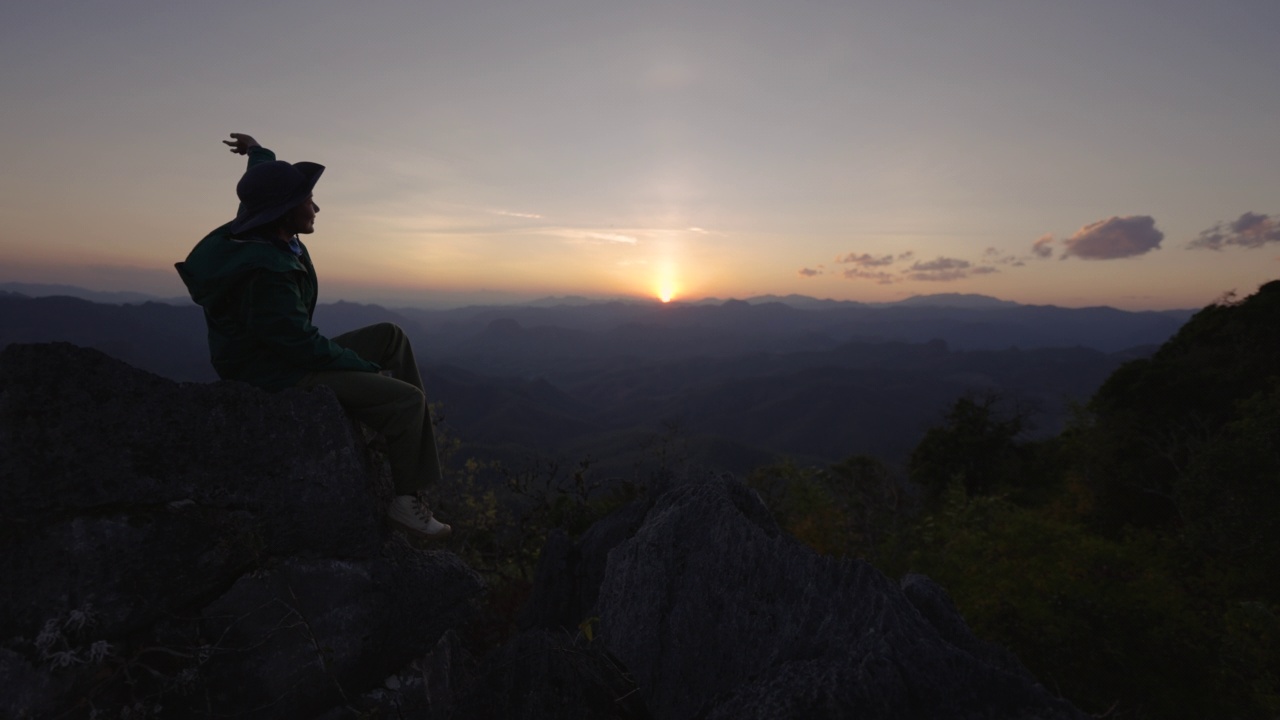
1250, 656
802, 505
976, 446
1152, 418
502, 516
1229, 497
1105, 622
855, 507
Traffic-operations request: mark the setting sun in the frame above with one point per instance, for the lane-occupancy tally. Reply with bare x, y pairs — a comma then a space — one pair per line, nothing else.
666, 290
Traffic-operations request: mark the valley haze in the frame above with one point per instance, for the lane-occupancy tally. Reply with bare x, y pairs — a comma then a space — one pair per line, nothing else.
726, 384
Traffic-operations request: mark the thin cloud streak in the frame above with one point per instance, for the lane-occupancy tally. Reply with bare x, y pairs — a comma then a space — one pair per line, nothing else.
612, 238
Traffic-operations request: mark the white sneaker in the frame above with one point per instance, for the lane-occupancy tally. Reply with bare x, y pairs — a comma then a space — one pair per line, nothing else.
407, 513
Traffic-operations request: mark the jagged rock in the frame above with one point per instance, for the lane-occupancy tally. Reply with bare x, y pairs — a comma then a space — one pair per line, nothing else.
717, 614
550, 675
221, 548
567, 579
426, 689
307, 634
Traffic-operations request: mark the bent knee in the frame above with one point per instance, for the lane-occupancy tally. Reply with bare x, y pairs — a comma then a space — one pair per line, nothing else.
390, 329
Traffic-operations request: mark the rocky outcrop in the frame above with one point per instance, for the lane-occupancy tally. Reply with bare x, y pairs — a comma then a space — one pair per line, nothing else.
715, 613
205, 548
183, 550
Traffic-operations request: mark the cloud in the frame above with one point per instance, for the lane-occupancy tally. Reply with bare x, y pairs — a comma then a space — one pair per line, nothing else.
510, 213
1041, 249
865, 260
880, 277
809, 272
1114, 238
939, 275
612, 238
942, 263
1250, 230
942, 269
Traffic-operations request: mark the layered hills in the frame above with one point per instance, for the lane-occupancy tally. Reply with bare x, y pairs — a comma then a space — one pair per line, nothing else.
727, 383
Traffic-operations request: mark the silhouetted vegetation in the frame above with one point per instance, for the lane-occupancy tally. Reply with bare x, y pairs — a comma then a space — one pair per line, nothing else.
1131, 561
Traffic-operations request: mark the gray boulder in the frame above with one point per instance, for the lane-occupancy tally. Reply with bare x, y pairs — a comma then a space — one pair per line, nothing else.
211, 549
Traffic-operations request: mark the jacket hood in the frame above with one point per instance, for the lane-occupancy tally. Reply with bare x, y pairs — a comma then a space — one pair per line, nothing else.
219, 261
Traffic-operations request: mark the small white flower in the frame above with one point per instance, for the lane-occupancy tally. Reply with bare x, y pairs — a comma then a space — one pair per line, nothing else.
49, 635
99, 651
78, 618
63, 658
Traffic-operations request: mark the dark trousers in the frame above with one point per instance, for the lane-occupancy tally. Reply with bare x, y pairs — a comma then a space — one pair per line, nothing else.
395, 406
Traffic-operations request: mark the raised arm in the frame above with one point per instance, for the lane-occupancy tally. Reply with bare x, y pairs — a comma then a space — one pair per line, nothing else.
241, 144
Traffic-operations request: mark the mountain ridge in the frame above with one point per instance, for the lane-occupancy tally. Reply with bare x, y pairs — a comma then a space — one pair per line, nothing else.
806, 302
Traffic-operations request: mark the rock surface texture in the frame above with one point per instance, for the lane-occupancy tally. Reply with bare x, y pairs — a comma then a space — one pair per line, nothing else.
184, 550
715, 613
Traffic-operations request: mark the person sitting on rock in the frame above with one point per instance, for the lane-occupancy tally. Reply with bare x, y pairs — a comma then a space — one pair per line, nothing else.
254, 279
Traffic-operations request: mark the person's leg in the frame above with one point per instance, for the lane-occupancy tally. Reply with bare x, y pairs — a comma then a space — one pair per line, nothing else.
387, 345
396, 410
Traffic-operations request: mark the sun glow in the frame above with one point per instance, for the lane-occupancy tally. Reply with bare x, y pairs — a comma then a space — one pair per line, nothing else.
666, 290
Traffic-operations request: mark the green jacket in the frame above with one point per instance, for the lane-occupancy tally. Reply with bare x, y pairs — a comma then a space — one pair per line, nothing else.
258, 299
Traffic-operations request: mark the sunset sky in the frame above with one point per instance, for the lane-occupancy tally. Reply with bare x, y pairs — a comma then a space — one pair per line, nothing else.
1072, 153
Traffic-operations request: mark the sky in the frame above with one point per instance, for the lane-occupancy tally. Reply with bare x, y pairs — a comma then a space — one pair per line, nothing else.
1069, 153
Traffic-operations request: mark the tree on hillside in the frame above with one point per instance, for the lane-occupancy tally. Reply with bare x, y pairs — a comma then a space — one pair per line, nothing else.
1150, 420
977, 446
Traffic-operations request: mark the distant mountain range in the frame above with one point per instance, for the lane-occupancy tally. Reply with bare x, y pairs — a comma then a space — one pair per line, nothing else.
47, 290
804, 302
734, 383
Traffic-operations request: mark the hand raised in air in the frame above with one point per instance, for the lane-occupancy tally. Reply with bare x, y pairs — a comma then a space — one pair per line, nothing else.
241, 144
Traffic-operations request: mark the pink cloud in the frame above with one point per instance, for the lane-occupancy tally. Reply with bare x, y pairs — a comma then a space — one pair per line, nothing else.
939, 275
1250, 230
1113, 238
883, 278
865, 260
1040, 248
942, 263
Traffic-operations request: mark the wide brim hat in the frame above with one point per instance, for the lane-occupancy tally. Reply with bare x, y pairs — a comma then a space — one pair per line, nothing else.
271, 189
